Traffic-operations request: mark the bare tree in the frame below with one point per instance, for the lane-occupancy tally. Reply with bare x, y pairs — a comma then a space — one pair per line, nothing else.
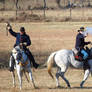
58, 3
37, 2
3, 2
44, 8
70, 7
89, 3
16, 3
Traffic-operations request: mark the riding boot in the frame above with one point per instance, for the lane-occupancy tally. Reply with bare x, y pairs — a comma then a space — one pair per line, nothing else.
86, 65
12, 63
31, 58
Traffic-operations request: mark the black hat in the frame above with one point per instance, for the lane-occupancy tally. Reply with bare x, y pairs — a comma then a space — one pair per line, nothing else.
82, 28
78, 30
22, 29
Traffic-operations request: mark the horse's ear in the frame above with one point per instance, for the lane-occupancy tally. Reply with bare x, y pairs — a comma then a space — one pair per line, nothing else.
14, 50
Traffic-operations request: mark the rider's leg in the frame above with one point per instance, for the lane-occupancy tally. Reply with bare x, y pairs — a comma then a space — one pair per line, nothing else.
86, 65
11, 63
85, 54
32, 59
85, 58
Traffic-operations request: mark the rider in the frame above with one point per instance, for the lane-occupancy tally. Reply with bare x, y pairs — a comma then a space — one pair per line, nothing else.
80, 43
21, 37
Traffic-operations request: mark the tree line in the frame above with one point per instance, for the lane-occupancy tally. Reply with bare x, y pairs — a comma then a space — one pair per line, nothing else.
60, 3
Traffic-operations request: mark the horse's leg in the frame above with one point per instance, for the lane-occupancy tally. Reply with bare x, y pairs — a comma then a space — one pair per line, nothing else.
31, 78
62, 69
13, 76
87, 72
57, 78
26, 76
20, 77
63, 77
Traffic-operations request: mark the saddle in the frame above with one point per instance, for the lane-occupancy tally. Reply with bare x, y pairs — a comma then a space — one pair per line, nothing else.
78, 56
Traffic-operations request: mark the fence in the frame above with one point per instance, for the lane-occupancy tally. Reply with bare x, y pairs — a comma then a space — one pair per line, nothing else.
57, 10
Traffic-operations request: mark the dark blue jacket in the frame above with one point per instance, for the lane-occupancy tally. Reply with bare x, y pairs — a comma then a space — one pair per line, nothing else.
80, 41
20, 38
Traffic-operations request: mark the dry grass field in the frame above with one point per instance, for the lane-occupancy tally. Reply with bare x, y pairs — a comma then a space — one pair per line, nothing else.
44, 82
46, 38
60, 15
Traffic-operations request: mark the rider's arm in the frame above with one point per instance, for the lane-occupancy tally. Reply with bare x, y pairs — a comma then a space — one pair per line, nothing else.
83, 41
12, 32
86, 43
28, 41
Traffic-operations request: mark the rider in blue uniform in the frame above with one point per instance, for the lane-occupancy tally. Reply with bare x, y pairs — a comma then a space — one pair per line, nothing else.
80, 43
22, 37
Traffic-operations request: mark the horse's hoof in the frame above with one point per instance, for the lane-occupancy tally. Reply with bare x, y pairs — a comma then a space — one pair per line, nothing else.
34, 86
81, 85
58, 86
69, 86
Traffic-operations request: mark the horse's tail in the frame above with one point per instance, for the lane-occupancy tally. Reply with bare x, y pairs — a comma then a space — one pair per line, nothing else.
50, 63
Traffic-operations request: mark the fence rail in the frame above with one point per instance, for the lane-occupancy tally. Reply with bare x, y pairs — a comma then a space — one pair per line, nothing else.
55, 9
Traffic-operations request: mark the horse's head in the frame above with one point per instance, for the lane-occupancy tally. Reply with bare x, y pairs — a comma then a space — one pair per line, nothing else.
17, 54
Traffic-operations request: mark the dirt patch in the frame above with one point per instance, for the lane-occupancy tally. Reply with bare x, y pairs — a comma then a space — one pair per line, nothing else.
44, 82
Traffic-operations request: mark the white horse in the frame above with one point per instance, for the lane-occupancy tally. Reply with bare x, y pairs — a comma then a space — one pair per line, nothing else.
22, 65
63, 58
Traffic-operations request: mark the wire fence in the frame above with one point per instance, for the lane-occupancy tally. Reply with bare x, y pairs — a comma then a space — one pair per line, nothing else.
57, 10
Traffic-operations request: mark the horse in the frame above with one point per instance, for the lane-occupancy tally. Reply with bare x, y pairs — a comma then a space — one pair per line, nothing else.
22, 65
63, 59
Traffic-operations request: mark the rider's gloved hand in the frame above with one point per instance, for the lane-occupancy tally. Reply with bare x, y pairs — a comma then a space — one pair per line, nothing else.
22, 45
9, 26
89, 42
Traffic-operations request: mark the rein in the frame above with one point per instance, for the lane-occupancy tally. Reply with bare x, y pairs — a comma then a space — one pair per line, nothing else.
23, 63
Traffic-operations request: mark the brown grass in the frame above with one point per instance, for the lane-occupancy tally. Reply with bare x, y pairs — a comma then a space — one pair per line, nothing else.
45, 83
77, 14
46, 38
